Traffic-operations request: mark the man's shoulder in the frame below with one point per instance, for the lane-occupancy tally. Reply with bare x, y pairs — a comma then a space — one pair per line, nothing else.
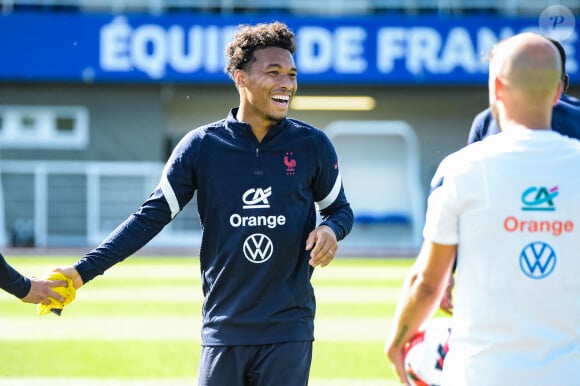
303, 129
484, 115
482, 126
569, 100
298, 124
208, 128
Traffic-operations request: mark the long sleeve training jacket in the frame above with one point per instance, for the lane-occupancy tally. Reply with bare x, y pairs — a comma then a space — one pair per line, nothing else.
256, 203
12, 281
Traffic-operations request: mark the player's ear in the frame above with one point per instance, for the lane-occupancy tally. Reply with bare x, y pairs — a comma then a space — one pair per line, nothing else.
240, 78
565, 82
558, 93
498, 88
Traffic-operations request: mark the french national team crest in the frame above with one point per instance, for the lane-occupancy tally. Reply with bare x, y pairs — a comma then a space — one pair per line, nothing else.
290, 163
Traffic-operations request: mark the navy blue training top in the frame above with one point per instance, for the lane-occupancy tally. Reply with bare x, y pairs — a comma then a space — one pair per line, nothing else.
12, 281
565, 120
256, 202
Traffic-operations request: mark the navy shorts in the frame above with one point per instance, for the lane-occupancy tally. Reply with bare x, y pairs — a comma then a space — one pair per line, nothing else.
277, 364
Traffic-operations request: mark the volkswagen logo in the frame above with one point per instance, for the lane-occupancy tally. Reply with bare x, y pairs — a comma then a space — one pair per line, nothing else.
258, 248
537, 260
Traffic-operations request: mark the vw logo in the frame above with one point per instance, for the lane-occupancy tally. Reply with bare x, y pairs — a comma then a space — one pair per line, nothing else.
258, 248
537, 260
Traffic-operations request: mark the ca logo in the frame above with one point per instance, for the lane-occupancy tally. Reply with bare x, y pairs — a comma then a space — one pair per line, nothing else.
258, 248
537, 260
257, 198
539, 198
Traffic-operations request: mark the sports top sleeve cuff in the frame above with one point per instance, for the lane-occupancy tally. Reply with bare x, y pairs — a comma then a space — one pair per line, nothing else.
20, 287
338, 232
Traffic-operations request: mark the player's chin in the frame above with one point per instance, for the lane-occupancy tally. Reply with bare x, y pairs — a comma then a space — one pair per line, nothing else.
278, 116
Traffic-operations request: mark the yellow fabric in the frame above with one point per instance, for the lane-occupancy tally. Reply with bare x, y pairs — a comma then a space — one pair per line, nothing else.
68, 293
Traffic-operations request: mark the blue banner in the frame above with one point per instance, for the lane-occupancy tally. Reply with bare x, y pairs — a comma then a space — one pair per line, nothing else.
189, 48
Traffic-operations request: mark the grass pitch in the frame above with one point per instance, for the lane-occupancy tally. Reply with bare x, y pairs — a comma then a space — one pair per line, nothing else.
139, 324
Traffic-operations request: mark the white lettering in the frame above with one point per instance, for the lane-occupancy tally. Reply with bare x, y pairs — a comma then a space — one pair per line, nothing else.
458, 52
149, 50
152, 49
211, 49
350, 50
390, 46
423, 47
155, 49
253, 221
186, 56
315, 54
114, 47
486, 40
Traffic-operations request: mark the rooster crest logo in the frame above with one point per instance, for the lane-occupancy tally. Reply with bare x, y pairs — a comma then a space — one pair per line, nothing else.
290, 164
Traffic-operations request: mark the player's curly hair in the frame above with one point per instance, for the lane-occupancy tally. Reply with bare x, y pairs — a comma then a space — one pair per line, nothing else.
249, 38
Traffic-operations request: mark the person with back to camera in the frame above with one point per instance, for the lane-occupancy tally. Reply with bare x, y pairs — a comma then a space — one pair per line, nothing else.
565, 116
507, 207
258, 176
565, 120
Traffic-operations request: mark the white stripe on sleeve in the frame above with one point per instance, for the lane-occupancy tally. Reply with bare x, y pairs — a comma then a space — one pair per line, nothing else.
329, 199
169, 196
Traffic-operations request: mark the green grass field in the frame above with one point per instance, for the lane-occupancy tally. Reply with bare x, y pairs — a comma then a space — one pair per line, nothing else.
139, 324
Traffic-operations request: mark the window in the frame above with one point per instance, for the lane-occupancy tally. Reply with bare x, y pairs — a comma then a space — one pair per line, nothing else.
44, 127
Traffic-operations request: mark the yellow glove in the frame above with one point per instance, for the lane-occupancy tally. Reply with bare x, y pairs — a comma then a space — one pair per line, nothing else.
68, 293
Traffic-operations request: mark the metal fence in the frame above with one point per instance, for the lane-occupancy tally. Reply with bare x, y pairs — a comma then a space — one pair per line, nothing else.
55, 203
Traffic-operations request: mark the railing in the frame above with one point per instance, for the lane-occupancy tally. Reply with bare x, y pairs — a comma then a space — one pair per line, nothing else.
305, 7
57, 203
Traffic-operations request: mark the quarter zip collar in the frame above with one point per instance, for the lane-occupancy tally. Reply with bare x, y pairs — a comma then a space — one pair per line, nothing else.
245, 130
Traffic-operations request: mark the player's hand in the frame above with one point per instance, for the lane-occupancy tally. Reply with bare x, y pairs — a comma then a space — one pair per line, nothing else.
67, 292
446, 304
322, 245
72, 274
397, 357
41, 290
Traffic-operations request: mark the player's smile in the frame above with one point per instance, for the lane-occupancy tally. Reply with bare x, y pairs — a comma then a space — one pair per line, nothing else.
281, 101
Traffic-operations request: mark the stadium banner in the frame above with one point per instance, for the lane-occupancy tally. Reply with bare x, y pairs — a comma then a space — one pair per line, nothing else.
189, 48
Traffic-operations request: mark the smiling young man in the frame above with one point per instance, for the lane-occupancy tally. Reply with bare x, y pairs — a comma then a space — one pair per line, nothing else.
258, 176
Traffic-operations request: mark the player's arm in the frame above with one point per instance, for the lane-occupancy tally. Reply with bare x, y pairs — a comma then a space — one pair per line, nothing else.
29, 290
72, 274
41, 290
420, 297
176, 188
322, 245
329, 191
334, 208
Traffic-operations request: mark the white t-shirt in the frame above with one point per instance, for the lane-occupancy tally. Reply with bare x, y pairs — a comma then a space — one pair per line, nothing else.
512, 204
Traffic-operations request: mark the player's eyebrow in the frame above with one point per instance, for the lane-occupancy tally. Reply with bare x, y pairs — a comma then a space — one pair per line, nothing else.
279, 66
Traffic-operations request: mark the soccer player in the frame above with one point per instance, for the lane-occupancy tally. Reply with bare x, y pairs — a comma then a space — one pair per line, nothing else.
565, 120
565, 117
29, 290
507, 207
258, 176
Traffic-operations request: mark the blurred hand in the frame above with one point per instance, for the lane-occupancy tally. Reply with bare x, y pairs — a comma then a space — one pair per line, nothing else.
72, 274
322, 245
67, 292
42, 289
446, 304
397, 358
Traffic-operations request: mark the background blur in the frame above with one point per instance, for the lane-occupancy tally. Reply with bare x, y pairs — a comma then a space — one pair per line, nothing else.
94, 94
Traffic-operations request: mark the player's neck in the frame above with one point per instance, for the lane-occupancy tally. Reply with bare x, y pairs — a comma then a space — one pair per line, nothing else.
526, 116
259, 125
